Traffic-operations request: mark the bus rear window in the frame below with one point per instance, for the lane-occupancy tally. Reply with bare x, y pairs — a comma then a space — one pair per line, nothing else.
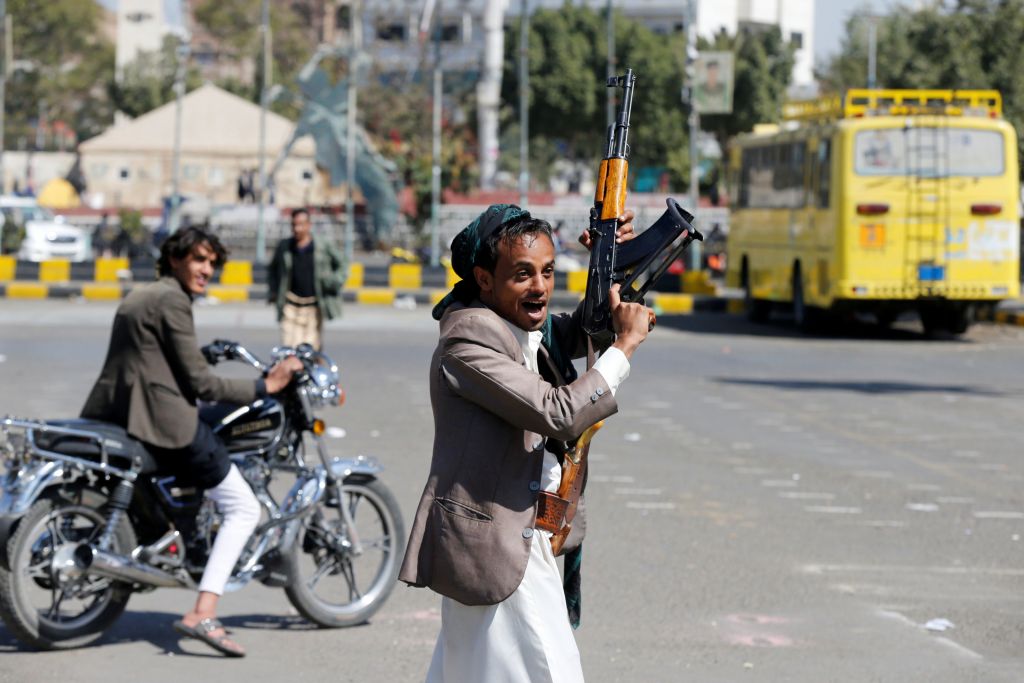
931, 152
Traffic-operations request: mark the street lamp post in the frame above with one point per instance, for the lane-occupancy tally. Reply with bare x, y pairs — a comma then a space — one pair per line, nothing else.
182, 52
261, 231
355, 35
435, 148
524, 104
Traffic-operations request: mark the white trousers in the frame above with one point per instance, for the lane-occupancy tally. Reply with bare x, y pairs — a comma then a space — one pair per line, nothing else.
524, 639
236, 501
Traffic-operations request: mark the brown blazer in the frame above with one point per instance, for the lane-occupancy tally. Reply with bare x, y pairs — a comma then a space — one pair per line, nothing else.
154, 371
471, 537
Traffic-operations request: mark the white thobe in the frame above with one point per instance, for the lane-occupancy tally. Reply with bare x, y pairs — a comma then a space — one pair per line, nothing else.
526, 638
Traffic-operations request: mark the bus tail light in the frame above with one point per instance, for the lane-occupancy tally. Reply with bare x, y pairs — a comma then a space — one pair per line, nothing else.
986, 209
872, 209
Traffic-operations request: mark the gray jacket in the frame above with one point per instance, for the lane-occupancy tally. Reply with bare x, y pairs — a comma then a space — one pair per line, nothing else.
471, 537
154, 371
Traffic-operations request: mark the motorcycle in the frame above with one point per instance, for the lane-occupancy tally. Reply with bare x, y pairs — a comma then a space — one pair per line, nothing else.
87, 519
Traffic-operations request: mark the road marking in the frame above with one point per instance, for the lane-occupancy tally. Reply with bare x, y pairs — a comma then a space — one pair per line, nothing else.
612, 478
750, 470
908, 569
778, 483
806, 495
922, 507
833, 509
874, 474
637, 492
923, 487
958, 647
633, 505
954, 500
998, 514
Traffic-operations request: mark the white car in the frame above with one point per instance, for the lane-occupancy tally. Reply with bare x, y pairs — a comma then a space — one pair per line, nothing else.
46, 236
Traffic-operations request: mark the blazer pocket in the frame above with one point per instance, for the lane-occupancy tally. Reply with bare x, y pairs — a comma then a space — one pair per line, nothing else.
456, 509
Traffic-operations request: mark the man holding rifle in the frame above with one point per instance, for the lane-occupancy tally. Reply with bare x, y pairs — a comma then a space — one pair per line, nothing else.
506, 401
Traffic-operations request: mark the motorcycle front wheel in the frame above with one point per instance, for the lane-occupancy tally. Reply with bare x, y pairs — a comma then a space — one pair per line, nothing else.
44, 602
334, 581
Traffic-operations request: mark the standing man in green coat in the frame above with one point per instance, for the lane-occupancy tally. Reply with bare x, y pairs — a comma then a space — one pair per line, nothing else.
304, 282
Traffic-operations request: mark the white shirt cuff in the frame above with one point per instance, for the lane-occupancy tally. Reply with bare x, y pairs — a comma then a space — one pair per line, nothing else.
613, 366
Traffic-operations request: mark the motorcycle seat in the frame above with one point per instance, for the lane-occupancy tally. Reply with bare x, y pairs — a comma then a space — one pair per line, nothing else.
122, 450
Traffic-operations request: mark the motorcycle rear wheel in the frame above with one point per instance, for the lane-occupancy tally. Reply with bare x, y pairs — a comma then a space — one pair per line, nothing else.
47, 533
329, 583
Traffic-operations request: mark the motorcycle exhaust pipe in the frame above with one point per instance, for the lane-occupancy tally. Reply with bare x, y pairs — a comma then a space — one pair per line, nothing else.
92, 560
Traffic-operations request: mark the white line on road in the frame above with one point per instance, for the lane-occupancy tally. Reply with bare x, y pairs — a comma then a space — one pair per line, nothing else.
958, 647
907, 569
750, 470
923, 487
632, 505
637, 492
806, 495
998, 514
874, 474
954, 500
833, 509
612, 479
922, 507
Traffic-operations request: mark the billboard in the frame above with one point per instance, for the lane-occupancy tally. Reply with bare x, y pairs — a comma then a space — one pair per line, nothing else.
713, 83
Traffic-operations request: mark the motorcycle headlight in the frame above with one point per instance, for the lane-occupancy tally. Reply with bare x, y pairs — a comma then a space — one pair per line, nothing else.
323, 376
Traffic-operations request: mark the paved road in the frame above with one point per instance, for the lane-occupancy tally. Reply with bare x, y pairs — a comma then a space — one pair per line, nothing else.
765, 507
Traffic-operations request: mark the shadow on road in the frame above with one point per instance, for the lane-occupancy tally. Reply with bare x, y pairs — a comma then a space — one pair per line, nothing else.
782, 327
873, 388
155, 628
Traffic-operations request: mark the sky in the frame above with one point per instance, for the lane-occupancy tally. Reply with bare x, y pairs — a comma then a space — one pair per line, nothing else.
830, 23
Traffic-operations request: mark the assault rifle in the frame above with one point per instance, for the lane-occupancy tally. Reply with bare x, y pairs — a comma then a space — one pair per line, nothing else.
635, 265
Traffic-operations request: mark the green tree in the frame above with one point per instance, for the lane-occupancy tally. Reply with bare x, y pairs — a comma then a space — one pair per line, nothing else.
568, 95
148, 81
62, 62
972, 44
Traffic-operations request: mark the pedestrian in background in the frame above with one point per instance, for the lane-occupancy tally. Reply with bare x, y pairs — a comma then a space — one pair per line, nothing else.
304, 283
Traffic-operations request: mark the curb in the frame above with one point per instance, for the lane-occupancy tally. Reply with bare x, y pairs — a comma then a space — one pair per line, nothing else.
663, 303
1004, 317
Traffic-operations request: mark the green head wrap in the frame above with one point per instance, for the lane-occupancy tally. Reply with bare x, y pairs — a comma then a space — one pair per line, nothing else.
466, 246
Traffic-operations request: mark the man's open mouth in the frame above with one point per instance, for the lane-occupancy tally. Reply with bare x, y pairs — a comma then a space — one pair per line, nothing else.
534, 307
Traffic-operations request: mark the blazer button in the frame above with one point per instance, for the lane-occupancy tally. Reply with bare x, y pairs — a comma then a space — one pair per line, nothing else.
593, 398
528, 532
539, 444
535, 486
600, 391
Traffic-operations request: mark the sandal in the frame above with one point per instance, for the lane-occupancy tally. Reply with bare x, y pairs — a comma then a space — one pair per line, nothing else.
202, 631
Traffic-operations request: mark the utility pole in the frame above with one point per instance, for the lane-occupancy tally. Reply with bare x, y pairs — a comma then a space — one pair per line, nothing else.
355, 43
5, 32
182, 52
694, 120
435, 150
268, 65
610, 108
524, 103
872, 49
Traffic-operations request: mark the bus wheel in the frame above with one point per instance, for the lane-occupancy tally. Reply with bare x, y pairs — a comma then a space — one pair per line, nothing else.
951, 319
757, 311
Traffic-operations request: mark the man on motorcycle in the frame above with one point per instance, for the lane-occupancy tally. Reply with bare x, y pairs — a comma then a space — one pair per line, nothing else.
153, 374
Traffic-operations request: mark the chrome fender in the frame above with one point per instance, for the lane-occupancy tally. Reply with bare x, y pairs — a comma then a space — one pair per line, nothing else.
18, 491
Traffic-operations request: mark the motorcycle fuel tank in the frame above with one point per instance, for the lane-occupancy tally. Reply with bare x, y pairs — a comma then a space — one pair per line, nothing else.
257, 426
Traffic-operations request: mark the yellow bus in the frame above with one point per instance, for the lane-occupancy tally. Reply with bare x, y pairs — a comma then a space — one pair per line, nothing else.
878, 202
